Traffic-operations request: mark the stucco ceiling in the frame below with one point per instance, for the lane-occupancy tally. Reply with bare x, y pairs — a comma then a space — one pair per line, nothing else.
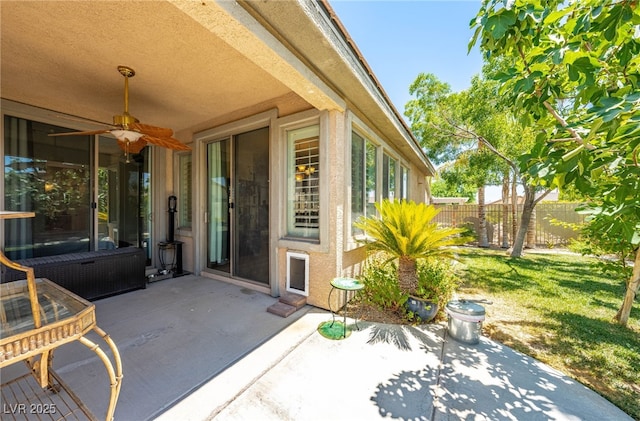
63, 56
198, 64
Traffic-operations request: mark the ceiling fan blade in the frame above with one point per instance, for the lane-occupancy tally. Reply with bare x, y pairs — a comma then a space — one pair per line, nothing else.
60, 116
87, 133
150, 130
133, 147
167, 142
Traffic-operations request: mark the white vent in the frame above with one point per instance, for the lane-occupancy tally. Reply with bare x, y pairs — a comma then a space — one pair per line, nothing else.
298, 273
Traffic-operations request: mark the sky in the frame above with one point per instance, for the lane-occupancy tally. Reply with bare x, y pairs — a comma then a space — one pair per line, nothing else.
400, 39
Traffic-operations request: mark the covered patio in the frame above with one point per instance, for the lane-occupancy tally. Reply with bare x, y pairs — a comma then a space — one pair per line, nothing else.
173, 337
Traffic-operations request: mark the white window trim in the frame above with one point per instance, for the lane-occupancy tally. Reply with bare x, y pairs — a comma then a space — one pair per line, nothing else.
283, 125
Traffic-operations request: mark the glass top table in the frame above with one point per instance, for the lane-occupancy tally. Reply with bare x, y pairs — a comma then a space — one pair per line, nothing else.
56, 305
37, 316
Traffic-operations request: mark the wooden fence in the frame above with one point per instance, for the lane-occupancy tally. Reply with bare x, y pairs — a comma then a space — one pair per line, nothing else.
543, 231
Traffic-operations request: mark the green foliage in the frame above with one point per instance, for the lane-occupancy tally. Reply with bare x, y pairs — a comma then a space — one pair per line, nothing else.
437, 280
615, 250
381, 286
576, 64
448, 126
407, 229
558, 309
453, 181
448, 186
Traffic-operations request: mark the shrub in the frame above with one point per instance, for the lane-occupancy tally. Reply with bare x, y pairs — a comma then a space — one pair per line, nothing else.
437, 280
381, 286
407, 231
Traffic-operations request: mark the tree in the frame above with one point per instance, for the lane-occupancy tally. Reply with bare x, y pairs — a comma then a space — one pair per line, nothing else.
406, 231
434, 113
577, 64
452, 182
476, 130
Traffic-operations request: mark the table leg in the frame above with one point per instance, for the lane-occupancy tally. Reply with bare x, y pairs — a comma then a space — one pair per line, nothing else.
344, 309
115, 375
333, 315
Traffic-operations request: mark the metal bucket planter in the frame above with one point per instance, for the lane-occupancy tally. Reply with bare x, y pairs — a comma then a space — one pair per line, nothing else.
465, 321
426, 310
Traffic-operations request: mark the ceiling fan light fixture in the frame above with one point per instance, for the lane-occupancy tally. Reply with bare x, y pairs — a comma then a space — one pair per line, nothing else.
126, 135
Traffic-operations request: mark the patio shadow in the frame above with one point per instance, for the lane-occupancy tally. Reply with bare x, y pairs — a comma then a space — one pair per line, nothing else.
399, 336
407, 396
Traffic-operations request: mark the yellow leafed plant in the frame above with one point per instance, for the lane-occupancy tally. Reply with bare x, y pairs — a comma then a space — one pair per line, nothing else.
407, 231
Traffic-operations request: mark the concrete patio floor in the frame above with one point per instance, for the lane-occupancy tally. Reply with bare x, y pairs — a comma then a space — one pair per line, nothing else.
389, 371
173, 337
196, 349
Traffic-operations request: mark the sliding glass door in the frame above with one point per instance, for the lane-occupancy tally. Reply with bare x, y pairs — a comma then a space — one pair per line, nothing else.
238, 206
51, 177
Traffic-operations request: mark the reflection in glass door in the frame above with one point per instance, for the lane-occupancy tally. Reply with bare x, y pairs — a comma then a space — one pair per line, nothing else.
123, 198
238, 214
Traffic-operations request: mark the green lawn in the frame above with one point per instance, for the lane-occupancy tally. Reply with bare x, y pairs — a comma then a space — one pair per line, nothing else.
559, 308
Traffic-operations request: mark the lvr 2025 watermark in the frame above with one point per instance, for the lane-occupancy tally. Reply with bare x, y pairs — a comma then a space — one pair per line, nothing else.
29, 408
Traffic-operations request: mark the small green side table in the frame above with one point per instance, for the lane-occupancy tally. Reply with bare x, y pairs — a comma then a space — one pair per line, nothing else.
345, 285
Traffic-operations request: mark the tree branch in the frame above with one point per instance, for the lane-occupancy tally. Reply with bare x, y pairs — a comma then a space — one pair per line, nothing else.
485, 142
542, 196
575, 135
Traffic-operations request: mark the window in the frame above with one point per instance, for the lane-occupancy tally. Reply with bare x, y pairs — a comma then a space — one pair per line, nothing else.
303, 206
82, 200
388, 177
364, 188
51, 177
184, 191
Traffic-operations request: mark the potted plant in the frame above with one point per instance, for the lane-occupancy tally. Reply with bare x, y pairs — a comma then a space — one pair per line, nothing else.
406, 231
437, 282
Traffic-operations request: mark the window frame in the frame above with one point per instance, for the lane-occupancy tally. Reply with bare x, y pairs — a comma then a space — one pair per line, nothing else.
355, 125
185, 198
389, 169
288, 123
303, 183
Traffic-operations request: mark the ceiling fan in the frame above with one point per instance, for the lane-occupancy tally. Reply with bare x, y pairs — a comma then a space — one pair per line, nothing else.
131, 134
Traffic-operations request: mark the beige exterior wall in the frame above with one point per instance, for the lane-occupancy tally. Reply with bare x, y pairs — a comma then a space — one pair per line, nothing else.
338, 254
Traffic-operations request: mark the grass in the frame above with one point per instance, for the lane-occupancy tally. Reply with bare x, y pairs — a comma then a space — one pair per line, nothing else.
559, 309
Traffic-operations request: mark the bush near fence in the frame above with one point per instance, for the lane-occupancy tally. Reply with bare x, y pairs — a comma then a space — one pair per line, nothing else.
544, 232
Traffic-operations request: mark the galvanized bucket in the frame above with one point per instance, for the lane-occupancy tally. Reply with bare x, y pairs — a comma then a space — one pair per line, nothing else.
465, 321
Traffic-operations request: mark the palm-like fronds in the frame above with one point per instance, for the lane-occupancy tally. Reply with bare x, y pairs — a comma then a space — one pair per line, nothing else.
406, 230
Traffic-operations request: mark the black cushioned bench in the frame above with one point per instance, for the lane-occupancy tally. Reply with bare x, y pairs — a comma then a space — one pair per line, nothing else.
91, 275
